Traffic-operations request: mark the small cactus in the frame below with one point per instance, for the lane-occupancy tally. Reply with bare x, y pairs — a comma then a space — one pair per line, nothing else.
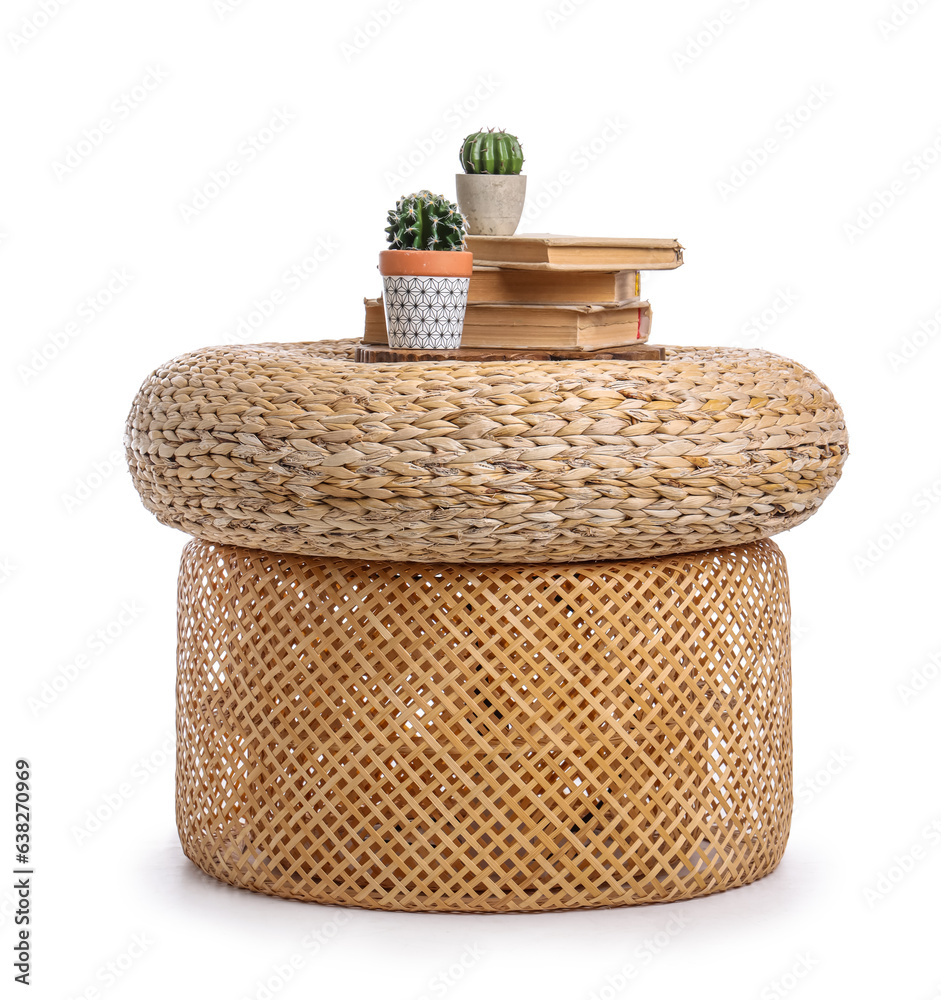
425, 221
491, 152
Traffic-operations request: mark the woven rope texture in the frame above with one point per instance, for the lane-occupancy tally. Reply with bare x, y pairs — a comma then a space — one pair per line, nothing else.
293, 448
484, 738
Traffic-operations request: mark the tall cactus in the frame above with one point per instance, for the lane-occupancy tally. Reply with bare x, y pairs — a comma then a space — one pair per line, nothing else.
425, 221
491, 152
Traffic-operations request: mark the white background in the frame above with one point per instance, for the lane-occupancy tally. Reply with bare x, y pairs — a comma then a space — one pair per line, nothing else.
839, 216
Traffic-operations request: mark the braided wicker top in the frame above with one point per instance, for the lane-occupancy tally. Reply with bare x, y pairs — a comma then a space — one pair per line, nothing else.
296, 448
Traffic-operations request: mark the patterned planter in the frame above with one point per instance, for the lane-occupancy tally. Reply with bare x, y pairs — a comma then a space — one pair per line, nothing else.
425, 296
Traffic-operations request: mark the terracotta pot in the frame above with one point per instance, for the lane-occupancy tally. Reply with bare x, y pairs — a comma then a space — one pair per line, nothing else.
425, 296
491, 203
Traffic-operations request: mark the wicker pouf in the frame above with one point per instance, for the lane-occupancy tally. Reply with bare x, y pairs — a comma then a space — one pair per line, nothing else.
474, 738
297, 448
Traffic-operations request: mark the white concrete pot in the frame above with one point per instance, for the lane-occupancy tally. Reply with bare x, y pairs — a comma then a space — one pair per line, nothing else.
491, 203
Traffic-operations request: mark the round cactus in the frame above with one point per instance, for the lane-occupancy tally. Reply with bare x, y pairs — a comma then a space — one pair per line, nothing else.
491, 152
425, 221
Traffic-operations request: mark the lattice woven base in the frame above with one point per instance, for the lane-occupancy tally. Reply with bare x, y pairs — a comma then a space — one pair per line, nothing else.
484, 738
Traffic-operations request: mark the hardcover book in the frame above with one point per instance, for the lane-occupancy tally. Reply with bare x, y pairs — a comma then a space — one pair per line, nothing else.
546, 252
573, 327
601, 288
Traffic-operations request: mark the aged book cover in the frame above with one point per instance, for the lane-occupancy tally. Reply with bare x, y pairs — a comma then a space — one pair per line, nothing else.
598, 288
547, 252
562, 326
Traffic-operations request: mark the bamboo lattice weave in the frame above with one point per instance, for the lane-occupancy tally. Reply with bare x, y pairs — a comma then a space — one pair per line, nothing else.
484, 738
295, 448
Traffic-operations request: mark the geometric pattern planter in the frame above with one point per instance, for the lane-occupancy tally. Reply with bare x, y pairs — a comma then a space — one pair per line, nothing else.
424, 312
484, 738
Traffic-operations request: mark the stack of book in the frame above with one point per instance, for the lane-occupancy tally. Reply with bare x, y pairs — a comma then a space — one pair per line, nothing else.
577, 295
